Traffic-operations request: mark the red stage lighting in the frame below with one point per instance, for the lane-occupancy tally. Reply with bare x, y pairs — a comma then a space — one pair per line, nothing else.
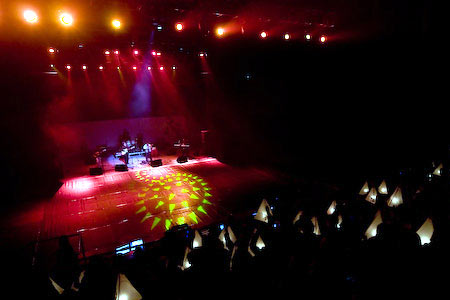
68, 67
307, 37
134, 68
100, 67
174, 67
201, 54
107, 52
136, 52
220, 31
149, 68
51, 50
154, 53
287, 36
179, 26
84, 67
158, 53
263, 34
116, 52
161, 68
323, 39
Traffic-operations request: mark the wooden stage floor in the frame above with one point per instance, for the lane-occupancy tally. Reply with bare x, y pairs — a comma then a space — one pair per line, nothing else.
112, 209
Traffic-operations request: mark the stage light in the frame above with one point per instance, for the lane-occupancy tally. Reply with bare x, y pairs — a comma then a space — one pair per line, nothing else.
159, 27
118, 68
134, 68
158, 53
116, 52
154, 53
68, 67
323, 39
84, 67
52, 66
107, 52
66, 19
287, 36
51, 50
179, 27
220, 31
161, 68
221, 226
263, 34
136, 52
100, 67
30, 16
201, 54
116, 24
307, 37
174, 67
149, 68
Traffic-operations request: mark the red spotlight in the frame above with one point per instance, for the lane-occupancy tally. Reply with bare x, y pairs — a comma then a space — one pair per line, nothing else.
158, 53
161, 68
116, 52
220, 31
100, 68
263, 34
68, 67
107, 52
51, 50
174, 67
307, 37
154, 53
287, 36
136, 52
84, 67
179, 26
323, 39
149, 68
134, 68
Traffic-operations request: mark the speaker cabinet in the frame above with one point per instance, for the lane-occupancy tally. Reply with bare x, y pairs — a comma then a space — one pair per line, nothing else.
182, 159
121, 168
156, 163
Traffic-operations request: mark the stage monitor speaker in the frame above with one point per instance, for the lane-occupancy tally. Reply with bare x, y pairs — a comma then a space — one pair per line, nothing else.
182, 159
156, 163
95, 171
121, 168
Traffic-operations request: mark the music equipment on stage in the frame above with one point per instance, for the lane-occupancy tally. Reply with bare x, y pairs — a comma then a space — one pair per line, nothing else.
156, 163
182, 159
95, 171
121, 168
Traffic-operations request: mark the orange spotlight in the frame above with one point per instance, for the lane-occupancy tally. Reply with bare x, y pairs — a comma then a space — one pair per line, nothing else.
174, 67
51, 50
287, 36
30, 16
116, 24
323, 39
66, 19
179, 26
263, 34
220, 31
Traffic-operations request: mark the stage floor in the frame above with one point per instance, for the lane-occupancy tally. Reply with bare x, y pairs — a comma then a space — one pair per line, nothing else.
115, 208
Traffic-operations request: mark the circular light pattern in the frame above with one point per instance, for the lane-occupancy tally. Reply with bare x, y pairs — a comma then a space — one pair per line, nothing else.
287, 36
51, 50
116, 24
179, 27
323, 39
107, 52
68, 67
263, 34
66, 19
220, 31
30, 16
308, 37
175, 198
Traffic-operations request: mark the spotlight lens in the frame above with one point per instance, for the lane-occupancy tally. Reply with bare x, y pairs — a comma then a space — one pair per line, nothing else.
116, 52
30, 16
154, 53
100, 68
308, 37
323, 39
161, 68
51, 50
134, 68
107, 52
84, 67
179, 26
68, 67
220, 31
149, 68
263, 34
116, 24
66, 19
136, 52
287, 36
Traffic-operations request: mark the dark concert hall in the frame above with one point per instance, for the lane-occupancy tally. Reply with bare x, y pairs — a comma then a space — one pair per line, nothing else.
224, 149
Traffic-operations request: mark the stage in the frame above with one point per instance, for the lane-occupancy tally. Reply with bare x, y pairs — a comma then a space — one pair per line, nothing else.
109, 210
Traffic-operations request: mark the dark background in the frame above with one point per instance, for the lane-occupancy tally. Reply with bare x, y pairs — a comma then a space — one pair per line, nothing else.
369, 101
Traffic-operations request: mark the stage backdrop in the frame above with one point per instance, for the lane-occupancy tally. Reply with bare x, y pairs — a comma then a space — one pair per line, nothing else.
76, 138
